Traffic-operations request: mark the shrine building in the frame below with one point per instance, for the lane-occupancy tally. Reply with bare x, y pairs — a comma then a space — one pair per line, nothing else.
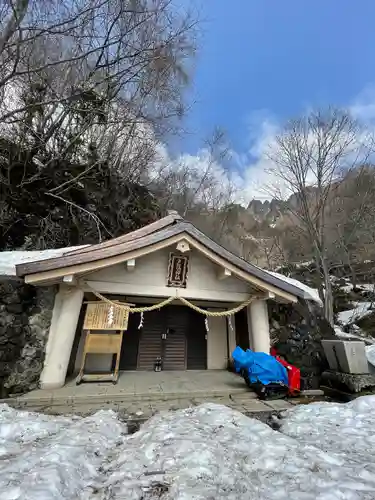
169, 263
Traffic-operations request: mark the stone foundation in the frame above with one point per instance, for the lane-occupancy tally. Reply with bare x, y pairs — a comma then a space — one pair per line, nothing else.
296, 332
25, 318
349, 382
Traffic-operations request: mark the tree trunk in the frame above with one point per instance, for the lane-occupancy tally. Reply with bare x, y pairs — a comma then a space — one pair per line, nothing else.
328, 296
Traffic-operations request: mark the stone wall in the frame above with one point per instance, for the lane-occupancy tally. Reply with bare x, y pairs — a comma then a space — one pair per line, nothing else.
25, 318
296, 333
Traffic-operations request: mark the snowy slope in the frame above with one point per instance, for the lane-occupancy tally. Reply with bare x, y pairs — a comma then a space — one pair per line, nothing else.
325, 451
370, 354
360, 310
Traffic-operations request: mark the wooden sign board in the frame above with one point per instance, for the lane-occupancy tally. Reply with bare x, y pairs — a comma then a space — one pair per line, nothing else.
178, 270
103, 316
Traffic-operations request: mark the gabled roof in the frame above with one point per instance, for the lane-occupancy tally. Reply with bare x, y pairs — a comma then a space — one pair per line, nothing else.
162, 230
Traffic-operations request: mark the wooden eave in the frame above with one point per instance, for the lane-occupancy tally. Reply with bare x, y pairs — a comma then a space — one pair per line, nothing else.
151, 238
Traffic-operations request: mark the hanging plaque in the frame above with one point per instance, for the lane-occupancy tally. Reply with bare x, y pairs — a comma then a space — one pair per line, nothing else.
103, 316
178, 270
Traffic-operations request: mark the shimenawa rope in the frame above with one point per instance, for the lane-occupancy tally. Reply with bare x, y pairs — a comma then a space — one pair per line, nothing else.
168, 301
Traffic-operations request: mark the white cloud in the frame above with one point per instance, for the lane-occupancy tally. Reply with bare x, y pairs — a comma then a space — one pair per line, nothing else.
363, 106
256, 176
251, 169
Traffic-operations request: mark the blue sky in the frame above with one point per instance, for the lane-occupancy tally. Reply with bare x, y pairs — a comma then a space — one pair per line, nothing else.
263, 61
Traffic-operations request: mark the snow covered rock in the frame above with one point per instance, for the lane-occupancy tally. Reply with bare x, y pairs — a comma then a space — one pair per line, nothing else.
355, 311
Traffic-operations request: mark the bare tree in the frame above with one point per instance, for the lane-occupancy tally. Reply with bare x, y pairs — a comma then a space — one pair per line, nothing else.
308, 158
133, 49
108, 74
195, 184
86, 86
352, 220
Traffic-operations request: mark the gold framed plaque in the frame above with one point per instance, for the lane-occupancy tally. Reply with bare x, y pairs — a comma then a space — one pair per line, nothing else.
178, 270
103, 316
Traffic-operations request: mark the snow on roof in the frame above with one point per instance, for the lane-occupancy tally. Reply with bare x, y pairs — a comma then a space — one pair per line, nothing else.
9, 260
309, 293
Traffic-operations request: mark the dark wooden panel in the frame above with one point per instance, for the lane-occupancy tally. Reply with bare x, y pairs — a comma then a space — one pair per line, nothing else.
196, 342
150, 343
185, 346
130, 343
77, 338
174, 346
242, 332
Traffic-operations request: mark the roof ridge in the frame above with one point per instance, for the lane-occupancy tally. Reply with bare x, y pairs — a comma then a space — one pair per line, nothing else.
151, 228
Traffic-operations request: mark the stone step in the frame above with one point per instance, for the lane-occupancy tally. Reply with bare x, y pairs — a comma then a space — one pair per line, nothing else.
139, 411
36, 402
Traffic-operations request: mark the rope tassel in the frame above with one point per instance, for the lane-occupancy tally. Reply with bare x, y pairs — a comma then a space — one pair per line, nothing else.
230, 323
141, 322
206, 324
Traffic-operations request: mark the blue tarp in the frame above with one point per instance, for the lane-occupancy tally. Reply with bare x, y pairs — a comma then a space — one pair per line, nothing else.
261, 367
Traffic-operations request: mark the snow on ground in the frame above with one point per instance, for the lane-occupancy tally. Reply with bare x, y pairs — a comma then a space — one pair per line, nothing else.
345, 335
310, 293
47, 458
9, 260
360, 310
324, 451
365, 287
307, 263
344, 436
370, 354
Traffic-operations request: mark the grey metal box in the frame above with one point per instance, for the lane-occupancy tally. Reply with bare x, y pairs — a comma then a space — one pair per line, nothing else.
346, 356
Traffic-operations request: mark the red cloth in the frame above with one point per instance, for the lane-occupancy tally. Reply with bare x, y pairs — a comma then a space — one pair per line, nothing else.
294, 374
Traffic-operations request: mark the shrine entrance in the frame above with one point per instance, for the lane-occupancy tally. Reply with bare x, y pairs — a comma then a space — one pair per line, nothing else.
195, 287
174, 334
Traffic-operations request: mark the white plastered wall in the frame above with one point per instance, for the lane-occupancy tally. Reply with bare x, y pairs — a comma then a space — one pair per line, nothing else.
149, 278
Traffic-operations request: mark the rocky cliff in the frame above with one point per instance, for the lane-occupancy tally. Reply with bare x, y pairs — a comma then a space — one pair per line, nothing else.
25, 318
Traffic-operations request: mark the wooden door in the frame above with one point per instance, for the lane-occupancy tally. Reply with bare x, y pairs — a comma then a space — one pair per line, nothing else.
174, 344
150, 341
177, 335
130, 344
196, 342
